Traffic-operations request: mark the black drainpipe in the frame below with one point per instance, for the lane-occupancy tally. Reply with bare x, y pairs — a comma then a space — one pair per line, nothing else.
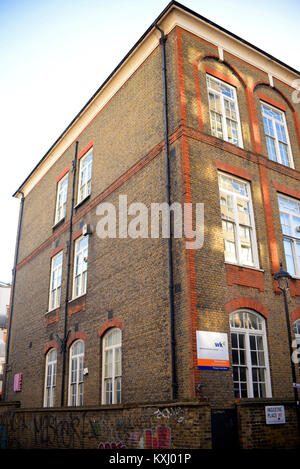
162, 41
13, 292
69, 251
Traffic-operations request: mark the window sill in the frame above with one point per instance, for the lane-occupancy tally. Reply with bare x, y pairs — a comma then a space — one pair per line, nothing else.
244, 266
82, 202
280, 164
226, 141
77, 297
58, 223
52, 310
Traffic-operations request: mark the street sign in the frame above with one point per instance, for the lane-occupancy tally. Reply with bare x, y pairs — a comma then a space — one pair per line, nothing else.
296, 385
275, 415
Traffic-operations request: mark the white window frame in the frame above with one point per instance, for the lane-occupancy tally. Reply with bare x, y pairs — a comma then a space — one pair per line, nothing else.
297, 338
80, 253
292, 239
223, 111
236, 223
50, 378
84, 182
76, 366
249, 366
56, 278
61, 199
114, 378
275, 136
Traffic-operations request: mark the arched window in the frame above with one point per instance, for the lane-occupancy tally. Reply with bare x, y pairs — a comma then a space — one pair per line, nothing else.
297, 337
76, 373
50, 378
112, 367
250, 365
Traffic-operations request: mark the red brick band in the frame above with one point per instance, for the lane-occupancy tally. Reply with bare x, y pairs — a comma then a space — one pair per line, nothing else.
221, 76
287, 190
63, 173
86, 149
57, 250
271, 101
228, 168
77, 234
237, 275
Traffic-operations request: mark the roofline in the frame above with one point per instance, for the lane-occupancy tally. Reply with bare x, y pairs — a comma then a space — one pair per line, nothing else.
173, 3
5, 285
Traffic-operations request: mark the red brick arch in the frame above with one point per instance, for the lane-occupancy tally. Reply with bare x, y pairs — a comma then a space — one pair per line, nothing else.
76, 336
109, 324
274, 88
248, 303
50, 345
295, 314
233, 70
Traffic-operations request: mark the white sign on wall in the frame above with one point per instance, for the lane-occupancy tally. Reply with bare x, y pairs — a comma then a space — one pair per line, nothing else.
275, 414
212, 350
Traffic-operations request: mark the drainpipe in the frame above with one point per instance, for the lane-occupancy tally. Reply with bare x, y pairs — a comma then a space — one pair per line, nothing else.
162, 41
13, 292
69, 248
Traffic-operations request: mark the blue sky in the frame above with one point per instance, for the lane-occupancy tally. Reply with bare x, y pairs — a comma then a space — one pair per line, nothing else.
55, 54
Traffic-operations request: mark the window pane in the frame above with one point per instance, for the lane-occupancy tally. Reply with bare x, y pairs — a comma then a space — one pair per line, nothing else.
230, 109
284, 154
246, 249
280, 132
229, 241
232, 131
234, 340
289, 256
296, 224
285, 224
268, 126
271, 148
298, 256
216, 124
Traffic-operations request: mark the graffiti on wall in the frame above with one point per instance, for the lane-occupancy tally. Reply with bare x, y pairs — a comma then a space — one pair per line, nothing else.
112, 445
86, 430
157, 438
176, 413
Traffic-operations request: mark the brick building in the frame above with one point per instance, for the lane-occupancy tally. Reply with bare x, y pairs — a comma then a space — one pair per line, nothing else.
105, 329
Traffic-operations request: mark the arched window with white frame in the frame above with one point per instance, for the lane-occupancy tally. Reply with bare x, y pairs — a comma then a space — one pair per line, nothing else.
112, 367
76, 374
250, 363
297, 337
50, 378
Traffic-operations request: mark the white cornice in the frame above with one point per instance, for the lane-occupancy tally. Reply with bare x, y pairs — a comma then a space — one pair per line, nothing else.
173, 17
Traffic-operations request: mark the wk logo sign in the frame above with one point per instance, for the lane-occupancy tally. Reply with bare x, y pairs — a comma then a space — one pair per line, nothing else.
212, 350
220, 344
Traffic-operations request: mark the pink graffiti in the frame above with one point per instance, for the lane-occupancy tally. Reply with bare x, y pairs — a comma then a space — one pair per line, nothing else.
134, 437
161, 439
112, 445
